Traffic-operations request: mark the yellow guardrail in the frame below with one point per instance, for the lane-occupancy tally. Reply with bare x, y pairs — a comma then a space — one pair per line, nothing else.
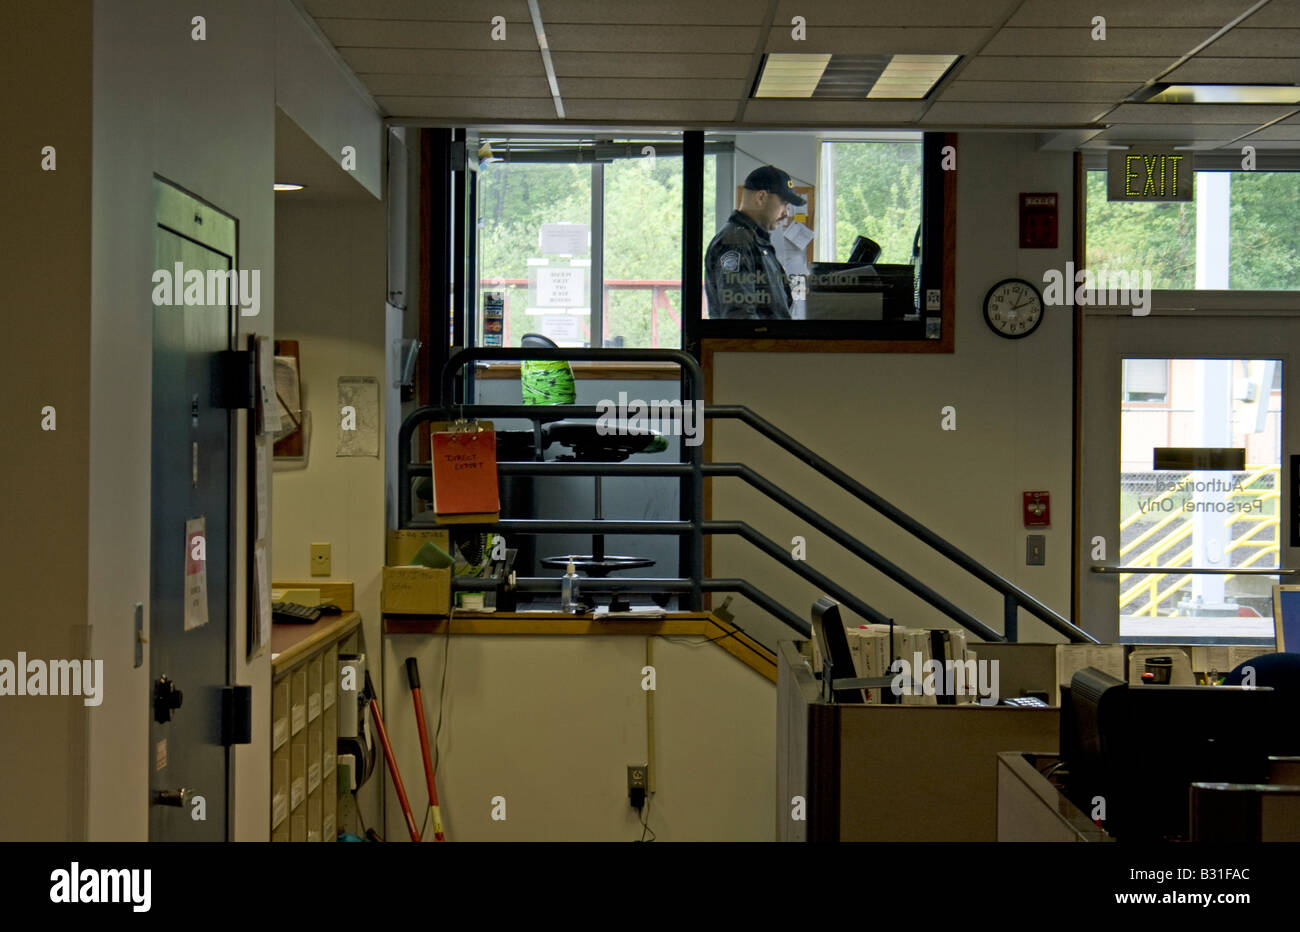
1152, 547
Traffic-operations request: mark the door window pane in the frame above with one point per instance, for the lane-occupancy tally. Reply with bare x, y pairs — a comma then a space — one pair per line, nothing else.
1200, 518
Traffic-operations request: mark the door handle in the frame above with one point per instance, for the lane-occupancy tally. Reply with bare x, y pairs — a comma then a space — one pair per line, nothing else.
166, 699
176, 798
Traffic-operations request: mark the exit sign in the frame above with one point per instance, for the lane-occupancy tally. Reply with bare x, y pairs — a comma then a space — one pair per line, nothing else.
1149, 175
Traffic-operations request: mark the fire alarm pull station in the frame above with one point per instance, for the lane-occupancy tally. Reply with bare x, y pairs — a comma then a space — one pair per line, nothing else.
1038, 221
1038, 510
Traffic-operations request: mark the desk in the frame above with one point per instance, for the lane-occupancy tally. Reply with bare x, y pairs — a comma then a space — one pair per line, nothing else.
705, 624
1031, 808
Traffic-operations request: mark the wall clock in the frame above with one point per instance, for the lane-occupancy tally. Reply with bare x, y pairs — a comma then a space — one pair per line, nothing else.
1013, 308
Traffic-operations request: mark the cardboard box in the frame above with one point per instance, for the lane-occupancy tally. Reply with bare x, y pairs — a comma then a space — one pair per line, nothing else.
416, 590
403, 543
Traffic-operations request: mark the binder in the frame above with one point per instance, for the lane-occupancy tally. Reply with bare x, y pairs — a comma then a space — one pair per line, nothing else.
465, 473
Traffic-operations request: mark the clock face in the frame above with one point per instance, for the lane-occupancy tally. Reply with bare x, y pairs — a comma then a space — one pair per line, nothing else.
1013, 308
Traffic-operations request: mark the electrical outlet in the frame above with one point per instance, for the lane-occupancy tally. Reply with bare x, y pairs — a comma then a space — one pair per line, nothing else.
636, 777
320, 559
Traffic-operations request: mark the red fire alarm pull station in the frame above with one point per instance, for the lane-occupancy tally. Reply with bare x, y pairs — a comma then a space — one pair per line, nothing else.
1038, 509
1038, 221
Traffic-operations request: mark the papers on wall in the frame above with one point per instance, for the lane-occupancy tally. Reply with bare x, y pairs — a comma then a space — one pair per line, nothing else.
561, 286
262, 494
261, 622
1071, 658
288, 394
798, 234
1224, 659
268, 409
196, 573
564, 239
358, 426
562, 329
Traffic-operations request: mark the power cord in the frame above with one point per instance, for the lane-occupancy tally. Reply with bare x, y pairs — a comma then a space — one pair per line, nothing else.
645, 822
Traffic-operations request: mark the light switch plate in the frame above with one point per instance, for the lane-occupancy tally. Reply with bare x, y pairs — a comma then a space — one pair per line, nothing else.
320, 559
1035, 549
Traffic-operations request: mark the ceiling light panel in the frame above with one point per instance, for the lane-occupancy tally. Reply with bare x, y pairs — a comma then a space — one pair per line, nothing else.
853, 77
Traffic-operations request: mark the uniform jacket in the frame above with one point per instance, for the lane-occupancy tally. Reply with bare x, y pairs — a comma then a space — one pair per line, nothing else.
743, 278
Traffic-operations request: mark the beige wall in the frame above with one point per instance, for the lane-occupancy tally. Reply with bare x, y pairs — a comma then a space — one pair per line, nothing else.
45, 68
551, 724
877, 416
330, 273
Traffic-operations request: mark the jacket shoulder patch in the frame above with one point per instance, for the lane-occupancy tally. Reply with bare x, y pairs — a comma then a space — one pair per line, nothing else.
730, 260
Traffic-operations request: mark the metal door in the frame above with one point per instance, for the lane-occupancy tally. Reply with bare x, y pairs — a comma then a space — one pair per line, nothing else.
189, 657
1184, 547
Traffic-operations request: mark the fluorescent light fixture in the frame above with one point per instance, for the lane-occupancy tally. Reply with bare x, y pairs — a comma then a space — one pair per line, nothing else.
911, 77
791, 74
545, 46
851, 77
288, 186
1284, 94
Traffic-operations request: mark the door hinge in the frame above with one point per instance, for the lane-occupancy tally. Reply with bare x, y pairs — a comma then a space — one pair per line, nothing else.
232, 379
236, 715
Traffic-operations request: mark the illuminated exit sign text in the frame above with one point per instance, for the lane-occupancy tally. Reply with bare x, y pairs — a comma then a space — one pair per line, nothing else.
1149, 175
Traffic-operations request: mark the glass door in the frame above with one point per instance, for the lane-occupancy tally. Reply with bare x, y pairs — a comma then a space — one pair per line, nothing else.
1185, 490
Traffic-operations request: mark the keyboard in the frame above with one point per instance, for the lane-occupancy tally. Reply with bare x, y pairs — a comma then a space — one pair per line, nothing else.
293, 614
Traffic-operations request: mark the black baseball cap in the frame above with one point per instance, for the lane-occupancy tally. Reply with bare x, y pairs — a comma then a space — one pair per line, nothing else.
770, 178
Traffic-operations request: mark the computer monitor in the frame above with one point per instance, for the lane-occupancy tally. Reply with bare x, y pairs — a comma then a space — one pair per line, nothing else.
837, 658
1132, 753
1286, 618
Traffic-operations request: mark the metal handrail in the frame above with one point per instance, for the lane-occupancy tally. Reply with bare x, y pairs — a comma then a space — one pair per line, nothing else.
1013, 596
692, 524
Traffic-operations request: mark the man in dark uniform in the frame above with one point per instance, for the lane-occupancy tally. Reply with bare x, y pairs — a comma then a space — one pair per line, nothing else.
743, 278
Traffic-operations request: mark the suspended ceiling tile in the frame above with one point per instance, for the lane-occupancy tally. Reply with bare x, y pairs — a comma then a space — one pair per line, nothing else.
1078, 41
1047, 68
1011, 114
651, 40
1038, 91
833, 112
869, 40
1254, 114
1279, 14
466, 11
617, 65
666, 88
1208, 69
478, 109
1257, 43
656, 111
1176, 133
457, 85
1123, 14
663, 12
822, 14
440, 62
1289, 132
422, 34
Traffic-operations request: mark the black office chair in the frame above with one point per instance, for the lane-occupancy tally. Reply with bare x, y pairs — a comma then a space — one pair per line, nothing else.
1281, 673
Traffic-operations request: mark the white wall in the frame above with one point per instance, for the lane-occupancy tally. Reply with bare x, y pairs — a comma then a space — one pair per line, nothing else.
877, 416
551, 724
